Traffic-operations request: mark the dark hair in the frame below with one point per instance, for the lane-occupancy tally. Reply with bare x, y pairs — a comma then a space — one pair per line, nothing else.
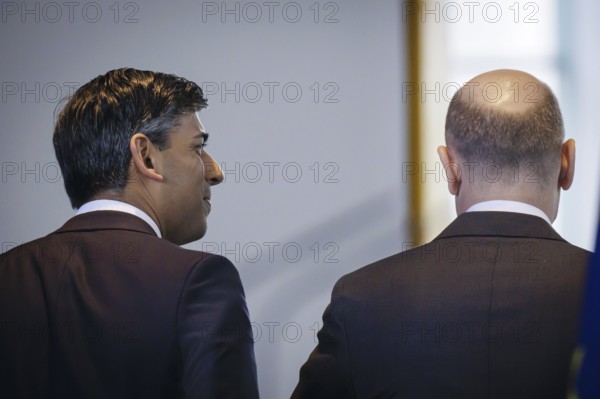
92, 131
480, 133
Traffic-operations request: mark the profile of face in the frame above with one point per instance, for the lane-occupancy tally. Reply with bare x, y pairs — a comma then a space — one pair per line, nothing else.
188, 174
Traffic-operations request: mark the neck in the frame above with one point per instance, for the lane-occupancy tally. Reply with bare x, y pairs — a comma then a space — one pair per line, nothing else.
139, 202
543, 199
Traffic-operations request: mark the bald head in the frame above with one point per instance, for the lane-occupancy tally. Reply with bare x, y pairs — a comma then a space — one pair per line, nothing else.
504, 136
507, 118
504, 91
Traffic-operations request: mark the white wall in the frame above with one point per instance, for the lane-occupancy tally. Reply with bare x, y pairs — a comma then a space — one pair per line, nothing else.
579, 64
354, 209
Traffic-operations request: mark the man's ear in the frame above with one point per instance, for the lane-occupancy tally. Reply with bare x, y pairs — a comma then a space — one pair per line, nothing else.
567, 164
451, 168
144, 156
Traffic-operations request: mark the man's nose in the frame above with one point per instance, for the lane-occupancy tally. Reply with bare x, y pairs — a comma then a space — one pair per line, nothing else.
212, 171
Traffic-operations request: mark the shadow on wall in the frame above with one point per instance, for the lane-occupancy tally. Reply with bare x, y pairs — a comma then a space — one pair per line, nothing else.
297, 293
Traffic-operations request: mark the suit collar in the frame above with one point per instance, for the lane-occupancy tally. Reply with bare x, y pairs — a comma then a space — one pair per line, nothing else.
500, 224
106, 220
114, 205
509, 206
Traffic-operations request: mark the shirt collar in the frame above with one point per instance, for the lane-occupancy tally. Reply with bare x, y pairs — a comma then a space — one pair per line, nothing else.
509, 206
119, 206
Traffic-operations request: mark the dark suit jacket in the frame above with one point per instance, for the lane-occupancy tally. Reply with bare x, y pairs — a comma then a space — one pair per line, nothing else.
489, 309
103, 308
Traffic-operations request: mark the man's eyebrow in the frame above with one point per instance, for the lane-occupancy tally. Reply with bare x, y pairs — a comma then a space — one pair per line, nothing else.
202, 135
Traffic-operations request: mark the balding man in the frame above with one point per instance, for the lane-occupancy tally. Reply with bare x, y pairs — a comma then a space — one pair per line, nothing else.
488, 309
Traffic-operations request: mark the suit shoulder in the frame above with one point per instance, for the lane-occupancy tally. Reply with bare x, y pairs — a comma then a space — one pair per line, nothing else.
385, 265
377, 271
35, 247
580, 251
554, 251
200, 255
173, 252
202, 263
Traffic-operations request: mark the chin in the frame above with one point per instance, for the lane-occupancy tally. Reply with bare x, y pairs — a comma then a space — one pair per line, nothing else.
190, 236
196, 235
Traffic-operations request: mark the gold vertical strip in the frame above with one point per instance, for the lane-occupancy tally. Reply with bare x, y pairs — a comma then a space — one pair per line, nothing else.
413, 106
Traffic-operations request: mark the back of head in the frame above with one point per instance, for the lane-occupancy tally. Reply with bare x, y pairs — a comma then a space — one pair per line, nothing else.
506, 125
92, 131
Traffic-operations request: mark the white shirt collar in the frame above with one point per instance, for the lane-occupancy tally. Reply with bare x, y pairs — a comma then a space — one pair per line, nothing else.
112, 205
509, 206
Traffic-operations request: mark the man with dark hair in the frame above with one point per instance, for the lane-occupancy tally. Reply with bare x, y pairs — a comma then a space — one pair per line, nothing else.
489, 308
109, 305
